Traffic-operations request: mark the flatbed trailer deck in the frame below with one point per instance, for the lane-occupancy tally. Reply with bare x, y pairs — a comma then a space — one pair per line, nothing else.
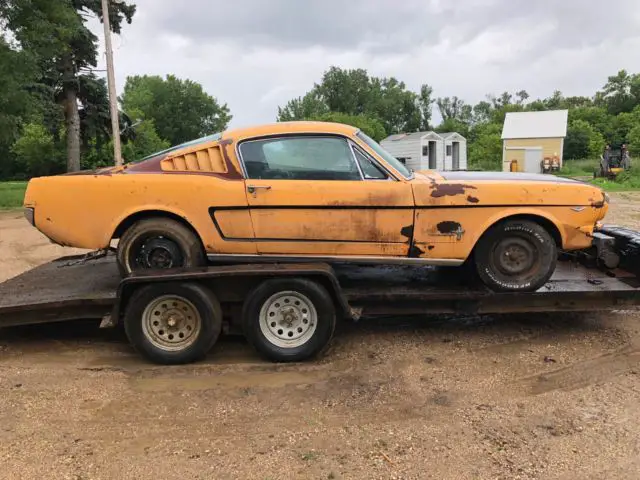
69, 289
73, 288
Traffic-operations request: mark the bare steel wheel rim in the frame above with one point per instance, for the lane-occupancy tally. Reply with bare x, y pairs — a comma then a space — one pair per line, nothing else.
288, 319
171, 323
516, 256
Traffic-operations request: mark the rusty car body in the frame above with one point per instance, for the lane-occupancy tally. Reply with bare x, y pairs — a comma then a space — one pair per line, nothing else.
305, 190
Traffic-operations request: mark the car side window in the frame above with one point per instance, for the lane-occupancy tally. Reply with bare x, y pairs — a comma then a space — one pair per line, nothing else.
299, 158
370, 170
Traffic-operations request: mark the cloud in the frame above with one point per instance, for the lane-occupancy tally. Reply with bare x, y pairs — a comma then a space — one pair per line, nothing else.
255, 55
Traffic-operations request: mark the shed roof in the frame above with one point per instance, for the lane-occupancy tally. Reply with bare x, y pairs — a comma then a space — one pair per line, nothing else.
450, 134
547, 124
408, 136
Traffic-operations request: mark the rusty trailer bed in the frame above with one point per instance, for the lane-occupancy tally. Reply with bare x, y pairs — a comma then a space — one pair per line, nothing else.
66, 290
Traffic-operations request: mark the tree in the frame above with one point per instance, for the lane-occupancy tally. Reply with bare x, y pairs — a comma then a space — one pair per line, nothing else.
144, 142
36, 152
16, 74
482, 112
454, 125
485, 149
369, 125
454, 108
621, 93
55, 32
180, 109
555, 101
303, 108
354, 92
634, 141
346, 91
582, 141
425, 102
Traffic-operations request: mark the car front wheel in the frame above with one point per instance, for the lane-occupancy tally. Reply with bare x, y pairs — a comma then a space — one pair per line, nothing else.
516, 255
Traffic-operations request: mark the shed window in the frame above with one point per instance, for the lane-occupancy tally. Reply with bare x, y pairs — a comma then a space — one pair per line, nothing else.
448, 150
425, 150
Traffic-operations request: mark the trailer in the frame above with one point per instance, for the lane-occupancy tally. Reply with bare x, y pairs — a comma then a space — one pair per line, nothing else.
288, 311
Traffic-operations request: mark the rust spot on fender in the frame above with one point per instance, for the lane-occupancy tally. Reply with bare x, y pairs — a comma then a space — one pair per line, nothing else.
449, 189
407, 231
431, 247
415, 251
448, 227
472, 199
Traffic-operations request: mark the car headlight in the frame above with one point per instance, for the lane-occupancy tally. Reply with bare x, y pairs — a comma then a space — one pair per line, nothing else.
29, 214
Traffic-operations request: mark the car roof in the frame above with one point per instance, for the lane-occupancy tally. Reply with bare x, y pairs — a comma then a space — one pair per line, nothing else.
289, 127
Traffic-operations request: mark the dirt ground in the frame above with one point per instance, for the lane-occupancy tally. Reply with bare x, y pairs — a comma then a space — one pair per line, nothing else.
512, 397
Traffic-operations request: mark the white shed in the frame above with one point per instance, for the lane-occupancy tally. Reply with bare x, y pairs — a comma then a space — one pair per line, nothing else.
455, 151
427, 150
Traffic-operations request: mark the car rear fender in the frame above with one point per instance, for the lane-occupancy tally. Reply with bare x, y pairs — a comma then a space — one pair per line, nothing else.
128, 218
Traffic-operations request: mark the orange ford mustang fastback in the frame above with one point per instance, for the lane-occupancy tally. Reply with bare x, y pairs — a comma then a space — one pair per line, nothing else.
321, 191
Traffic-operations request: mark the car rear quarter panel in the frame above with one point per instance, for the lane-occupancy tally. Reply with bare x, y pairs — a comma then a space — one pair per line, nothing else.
85, 210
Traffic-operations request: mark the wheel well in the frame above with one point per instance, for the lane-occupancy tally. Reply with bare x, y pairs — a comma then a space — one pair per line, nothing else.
130, 220
545, 223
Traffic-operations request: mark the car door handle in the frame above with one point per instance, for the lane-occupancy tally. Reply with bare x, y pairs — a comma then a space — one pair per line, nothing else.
253, 188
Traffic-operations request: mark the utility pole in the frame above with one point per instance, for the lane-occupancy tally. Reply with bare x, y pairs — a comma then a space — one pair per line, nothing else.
111, 83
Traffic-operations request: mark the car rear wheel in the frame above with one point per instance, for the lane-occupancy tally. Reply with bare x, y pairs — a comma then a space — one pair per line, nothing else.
158, 243
516, 255
289, 320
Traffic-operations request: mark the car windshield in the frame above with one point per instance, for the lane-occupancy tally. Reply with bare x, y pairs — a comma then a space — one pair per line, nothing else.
390, 159
208, 138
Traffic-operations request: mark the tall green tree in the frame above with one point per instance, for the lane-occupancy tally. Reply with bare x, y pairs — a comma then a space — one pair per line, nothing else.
308, 107
621, 93
354, 92
17, 73
56, 34
454, 108
582, 141
180, 109
485, 149
369, 125
426, 101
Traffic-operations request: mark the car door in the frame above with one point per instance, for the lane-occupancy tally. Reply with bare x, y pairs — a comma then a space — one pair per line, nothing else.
322, 195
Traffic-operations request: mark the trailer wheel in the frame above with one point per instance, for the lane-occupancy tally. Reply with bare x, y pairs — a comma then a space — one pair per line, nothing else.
516, 255
157, 243
289, 320
173, 323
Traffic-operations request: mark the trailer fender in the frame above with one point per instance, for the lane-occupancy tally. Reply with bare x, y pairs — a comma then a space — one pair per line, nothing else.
320, 272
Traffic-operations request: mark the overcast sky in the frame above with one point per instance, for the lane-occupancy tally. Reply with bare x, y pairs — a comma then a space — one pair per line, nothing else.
257, 54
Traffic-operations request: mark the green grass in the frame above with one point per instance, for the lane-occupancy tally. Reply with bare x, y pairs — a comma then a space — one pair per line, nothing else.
578, 168
12, 194
624, 182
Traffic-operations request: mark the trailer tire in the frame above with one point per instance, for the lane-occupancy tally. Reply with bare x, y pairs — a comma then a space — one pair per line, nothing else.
173, 323
289, 319
516, 255
156, 243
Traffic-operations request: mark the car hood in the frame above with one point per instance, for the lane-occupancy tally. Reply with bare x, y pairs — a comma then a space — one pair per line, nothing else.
503, 188
500, 176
